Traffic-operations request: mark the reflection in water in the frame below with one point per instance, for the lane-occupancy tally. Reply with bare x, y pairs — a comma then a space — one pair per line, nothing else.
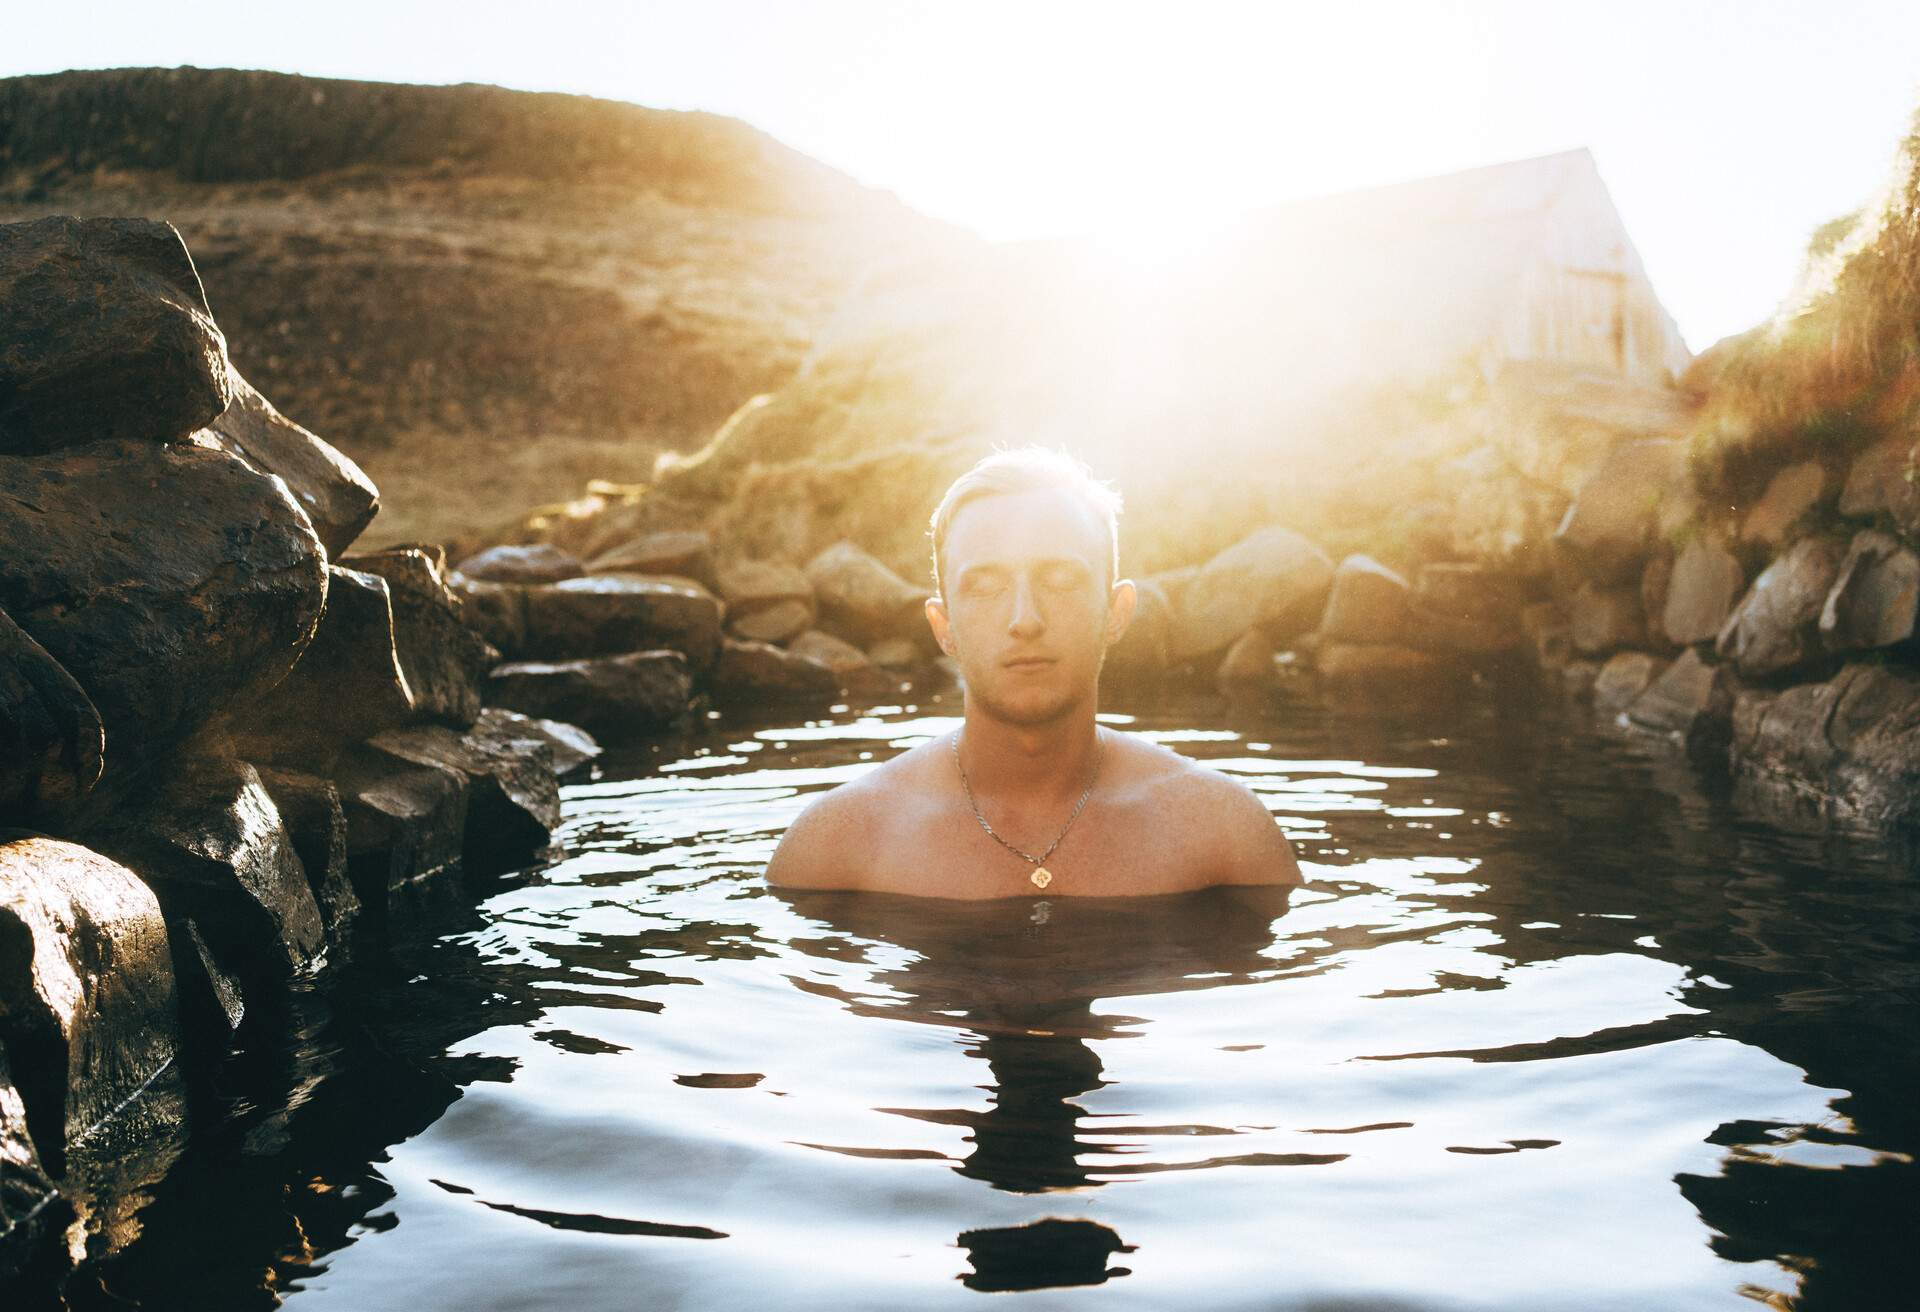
1049, 1254
1023, 987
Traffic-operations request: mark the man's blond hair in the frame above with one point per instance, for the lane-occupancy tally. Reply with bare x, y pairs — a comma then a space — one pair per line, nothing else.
1028, 469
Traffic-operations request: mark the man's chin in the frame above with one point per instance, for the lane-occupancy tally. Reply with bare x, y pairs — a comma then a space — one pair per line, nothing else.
1027, 711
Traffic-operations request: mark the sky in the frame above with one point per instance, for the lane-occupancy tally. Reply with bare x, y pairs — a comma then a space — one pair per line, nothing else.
1727, 130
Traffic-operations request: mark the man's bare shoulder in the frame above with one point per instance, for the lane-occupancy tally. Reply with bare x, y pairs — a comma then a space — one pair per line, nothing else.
1245, 843
818, 848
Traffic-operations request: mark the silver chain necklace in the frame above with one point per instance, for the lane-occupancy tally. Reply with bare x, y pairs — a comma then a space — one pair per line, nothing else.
1041, 876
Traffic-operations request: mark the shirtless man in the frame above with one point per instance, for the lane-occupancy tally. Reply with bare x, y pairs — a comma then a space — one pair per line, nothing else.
1031, 793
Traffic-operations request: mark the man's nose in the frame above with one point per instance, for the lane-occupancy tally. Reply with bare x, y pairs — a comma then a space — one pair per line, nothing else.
1026, 620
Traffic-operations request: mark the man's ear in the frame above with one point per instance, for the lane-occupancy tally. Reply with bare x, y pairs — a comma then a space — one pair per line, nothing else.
941, 625
1120, 607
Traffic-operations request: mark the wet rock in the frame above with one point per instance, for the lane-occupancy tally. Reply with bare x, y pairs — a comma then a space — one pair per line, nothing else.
1849, 746
1873, 599
1467, 608
1142, 650
496, 611
640, 692
316, 824
1603, 620
607, 614
1690, 699
1367, 602
209, 841
851, 666
684, 552
347, 686
1547, 634
337, 496
51, 741
107, 336
1274, 579
513, 793
782, 621
572, 747
1609, 527
1791, 494
32, 1211
1622, 679
172, 582
1878, 484
758, 671
539, 562
1775, 628
860, 598
212, 1003
87, 1003
445, 662
1351, 665
1248, 663
406, 822
1705, 581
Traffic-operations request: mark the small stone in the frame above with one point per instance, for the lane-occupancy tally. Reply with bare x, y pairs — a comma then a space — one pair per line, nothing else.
405, 822
782, 621
686, 552
1878, 482
759, 671
1691, 699
540, 562
1622, 679
636, 693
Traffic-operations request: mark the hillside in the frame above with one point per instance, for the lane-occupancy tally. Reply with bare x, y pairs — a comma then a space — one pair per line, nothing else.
486, 297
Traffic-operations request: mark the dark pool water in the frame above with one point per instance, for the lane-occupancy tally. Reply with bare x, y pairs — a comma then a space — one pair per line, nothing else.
1553, 1025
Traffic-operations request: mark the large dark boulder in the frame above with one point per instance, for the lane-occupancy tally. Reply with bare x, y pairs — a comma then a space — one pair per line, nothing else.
1274, 579
51, 741
1849, 746
1691, 700
405, 822
752, 673
87, 1002
445, 662
316, 825
32, 1210
572, 747
348, 685
1774, 631
684, 553
607, 614
1874, 597
173, 582
340, 500
106, 336
495, 611
637, 693
513, 796
209, 841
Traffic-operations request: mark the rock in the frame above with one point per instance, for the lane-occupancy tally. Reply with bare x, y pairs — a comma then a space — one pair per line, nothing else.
1609, 527
1367, 602
686, 552
212, 1005
406, 822
572, 747
445, 662
1655, 582
895, 654
172, 582
87, 1002
759, 671
496, 611
51, 742
1691, 699
513, 795
1142, 649
209, 841
637, 693
337, 496
539, 562
1878, 482
608, 614
1274, 579
1603, 620
1466, 608
1873, 599
1775, 628
32, 1210
348, 686
1547, 634
1847, 747
783, 621
1577, 679
746, 585
1384, 666
316, 824
1701, 590
862, 599
1248, 663
851, 667
1792, 493
1622, 679
107, 336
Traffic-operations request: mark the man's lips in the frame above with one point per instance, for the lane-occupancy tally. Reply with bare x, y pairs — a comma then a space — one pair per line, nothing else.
1028, 662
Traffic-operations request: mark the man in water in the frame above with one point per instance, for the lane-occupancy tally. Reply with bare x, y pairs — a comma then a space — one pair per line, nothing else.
1031, 793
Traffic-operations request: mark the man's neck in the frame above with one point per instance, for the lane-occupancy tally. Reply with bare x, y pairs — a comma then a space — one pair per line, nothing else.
1051, 760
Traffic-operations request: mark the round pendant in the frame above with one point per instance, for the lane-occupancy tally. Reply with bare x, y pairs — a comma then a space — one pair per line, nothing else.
1041, 877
